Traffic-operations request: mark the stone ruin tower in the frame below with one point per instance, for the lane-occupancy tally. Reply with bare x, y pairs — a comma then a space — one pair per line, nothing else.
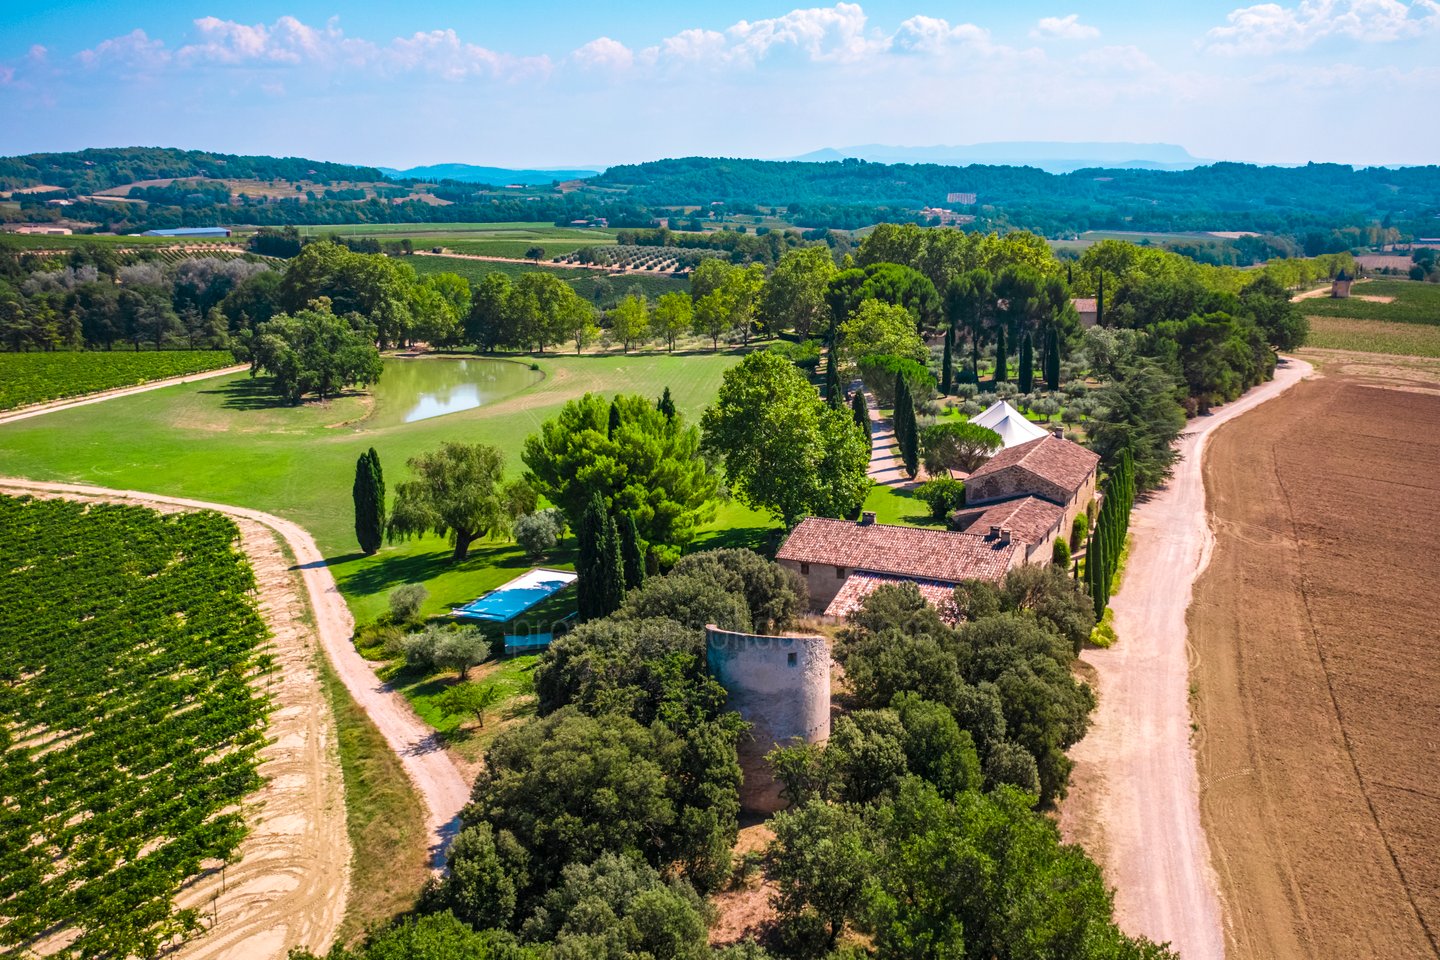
781, 687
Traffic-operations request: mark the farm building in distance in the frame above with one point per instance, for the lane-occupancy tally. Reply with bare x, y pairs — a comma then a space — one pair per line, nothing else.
189, 232
1018, 504
1088, 309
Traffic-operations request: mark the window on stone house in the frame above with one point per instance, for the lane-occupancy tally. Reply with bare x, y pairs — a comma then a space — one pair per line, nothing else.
840, 573
805, 569
790, 659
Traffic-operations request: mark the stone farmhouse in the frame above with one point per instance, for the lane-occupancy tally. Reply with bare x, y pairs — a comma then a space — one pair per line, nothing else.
1035, 490
1016, 505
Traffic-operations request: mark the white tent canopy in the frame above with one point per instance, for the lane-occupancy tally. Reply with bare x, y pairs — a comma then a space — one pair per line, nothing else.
1010, 423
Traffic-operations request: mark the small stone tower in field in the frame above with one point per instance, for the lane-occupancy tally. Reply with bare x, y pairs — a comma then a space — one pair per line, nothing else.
1340, 286
781, 687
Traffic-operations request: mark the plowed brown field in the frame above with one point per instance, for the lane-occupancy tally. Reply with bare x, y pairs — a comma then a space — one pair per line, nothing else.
1315, 638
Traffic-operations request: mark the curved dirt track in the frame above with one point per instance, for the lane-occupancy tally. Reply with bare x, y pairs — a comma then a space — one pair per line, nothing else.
290, 880
35, 410
440, 782
1135, 802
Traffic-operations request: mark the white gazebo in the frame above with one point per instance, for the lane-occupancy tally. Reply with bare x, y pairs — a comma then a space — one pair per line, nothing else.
1010, 423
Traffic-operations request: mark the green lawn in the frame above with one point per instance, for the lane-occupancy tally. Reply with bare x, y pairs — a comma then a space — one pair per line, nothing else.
1415, 302
225, 440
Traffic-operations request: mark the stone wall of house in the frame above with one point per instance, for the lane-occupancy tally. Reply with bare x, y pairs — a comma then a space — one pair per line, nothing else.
1076, 504
823, 580
1009, 483
781, 687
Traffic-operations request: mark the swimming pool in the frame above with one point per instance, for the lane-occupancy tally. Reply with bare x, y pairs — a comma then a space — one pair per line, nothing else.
509, 600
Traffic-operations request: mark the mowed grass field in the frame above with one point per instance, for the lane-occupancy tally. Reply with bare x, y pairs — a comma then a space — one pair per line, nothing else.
225, 441
1408, 324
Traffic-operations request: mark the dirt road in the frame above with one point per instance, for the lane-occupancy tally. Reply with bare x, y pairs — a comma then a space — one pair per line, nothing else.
1318, 667
35, 410
440, 782
1134, 804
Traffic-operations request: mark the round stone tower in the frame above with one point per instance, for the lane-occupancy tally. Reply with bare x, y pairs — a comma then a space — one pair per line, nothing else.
781, 687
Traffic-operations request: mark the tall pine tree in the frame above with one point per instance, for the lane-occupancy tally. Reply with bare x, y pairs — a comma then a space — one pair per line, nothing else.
369, 495
1027, 364
666, 405
1052, 358
1001, 373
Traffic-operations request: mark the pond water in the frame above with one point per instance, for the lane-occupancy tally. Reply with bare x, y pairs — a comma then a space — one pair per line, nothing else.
411, 390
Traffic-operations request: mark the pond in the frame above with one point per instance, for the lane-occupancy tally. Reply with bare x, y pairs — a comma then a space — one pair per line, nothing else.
411, 390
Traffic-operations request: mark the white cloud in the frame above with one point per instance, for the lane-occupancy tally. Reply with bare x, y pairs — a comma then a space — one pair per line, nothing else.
933, 35
443, 54
603, 53
689, 46
1269, 28
820, 33
1063, 28
134, 51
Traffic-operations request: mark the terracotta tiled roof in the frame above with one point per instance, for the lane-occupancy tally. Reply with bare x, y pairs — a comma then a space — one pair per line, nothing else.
858, 586
1084, 304
1029, 519
1059, 461
910, 552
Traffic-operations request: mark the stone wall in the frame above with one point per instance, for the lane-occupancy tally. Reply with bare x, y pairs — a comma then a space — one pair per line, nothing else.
822, 580
781, 687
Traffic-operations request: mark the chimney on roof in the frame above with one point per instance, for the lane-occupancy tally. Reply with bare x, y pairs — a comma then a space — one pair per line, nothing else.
867, 518
994, 533
1057, 430
1004, 535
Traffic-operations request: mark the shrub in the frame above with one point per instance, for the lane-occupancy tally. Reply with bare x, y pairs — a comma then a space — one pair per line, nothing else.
406, 601
1060, 556
1010, 763
879, 371
943, 495
967, 391
538, 533
1078, 529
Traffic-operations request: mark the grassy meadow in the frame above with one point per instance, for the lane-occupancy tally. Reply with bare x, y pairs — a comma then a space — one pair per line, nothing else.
227, 441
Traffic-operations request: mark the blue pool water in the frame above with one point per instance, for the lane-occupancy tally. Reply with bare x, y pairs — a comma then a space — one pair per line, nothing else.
507, 602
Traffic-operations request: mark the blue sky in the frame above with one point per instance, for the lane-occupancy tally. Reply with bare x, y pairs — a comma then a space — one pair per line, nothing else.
583, 83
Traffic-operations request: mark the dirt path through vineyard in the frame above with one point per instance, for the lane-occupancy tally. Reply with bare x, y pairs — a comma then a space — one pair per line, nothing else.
439, 781
289, 883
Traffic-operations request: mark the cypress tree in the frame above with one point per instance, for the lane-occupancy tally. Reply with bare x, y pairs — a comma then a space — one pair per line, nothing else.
1001, 374
369, 495
1095, 572
975, 361
614, 421
1027, 364
904, 424
632, 558
946, 373
666, 405
833, 394
600, 588
1052, 358
861, 410
1100, 303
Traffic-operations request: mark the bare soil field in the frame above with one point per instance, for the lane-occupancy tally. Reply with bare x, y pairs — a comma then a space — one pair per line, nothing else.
1316, 666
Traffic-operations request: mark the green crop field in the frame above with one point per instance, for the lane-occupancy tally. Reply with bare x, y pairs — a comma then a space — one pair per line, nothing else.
1374, 336
513, 230
31, 241
504, 247
128, 725
652, 285
225, 441
1414, 302
27, 378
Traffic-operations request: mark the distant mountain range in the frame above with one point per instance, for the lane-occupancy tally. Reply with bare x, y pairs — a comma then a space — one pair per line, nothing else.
495, 176
1053, 157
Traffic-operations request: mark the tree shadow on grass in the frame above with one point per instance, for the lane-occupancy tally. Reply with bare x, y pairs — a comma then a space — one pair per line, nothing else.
763, 540
389, 572
248, 393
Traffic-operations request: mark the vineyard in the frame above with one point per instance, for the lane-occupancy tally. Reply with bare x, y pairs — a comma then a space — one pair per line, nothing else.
128, 724
27, 378
630, 256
